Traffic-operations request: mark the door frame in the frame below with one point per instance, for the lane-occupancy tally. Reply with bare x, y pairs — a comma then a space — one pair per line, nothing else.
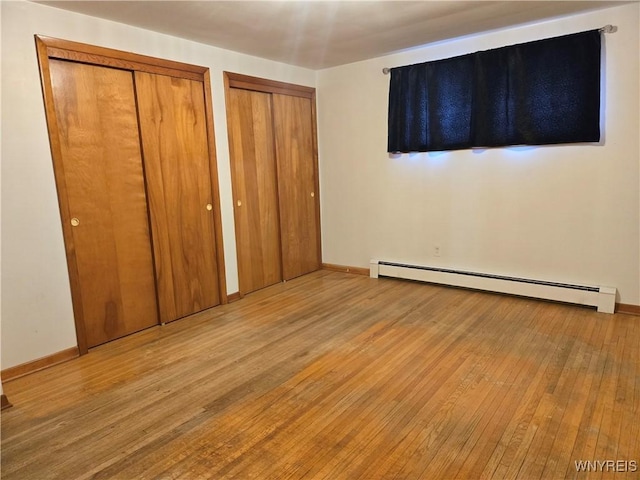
48, 47
246, 82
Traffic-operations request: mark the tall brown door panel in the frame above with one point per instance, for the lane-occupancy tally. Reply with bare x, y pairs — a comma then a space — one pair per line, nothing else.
103, 176
176, 159
272, 142
253, 166
132, 148
294, 143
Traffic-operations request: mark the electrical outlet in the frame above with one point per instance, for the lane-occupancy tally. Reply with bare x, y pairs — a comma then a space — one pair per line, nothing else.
436, 250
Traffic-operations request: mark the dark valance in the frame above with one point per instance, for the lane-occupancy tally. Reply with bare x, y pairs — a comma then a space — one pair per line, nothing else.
542, 92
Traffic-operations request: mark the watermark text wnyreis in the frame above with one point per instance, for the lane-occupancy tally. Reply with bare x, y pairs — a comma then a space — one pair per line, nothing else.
606, 465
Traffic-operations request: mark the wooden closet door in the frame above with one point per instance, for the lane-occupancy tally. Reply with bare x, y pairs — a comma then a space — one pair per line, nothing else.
103, 181
176, 159
297, 184
253, 169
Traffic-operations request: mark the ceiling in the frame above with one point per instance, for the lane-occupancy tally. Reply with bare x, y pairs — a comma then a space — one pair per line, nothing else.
321, 34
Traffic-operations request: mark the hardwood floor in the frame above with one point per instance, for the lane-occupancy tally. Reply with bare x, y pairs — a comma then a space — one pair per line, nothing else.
338, 376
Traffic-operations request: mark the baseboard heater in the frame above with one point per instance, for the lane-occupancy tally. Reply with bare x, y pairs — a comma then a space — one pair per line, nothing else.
603, 298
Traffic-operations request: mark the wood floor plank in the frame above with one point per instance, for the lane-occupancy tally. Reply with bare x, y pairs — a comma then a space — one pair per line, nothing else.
562, 443
200, 438
336, 376
373, 402
482, 441
629, 394
444, 459
558, 402
442, 385
530, 413
335, 400
516, 400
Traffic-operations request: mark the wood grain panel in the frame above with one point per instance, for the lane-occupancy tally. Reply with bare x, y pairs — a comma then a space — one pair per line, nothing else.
253, 170
100, 151
4, 402
339, 376
628, 309
27, 368
108, 57
297, 185
246, 82
176, 157
346, 269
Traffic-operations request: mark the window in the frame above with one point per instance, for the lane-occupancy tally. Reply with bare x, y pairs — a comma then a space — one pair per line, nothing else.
542, 92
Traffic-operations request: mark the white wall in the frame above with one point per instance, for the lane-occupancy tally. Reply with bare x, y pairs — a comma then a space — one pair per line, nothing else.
559, 213
37, 316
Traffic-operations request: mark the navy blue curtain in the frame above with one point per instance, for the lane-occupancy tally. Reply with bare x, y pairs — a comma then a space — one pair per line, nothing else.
542, 92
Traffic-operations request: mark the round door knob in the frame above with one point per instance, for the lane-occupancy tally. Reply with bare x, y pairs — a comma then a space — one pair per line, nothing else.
209, 207
313, 194
75, 222
239, 203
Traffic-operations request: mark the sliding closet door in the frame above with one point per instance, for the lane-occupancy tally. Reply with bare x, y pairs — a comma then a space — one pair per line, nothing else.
297, 184
176, 159
253, 167
102, 178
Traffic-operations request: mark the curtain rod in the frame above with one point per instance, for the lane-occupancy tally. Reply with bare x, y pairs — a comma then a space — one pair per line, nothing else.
606, 29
